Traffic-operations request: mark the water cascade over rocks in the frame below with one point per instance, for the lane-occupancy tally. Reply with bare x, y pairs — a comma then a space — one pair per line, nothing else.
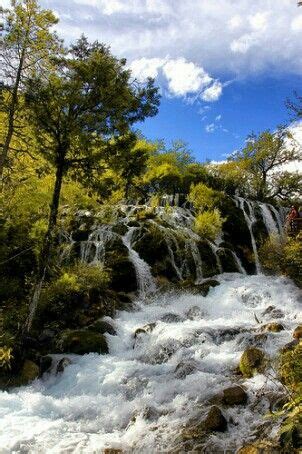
166, 366
161, 386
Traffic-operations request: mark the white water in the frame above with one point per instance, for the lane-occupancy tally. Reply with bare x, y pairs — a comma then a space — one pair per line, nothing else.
250, 219
145, 281
132, 398
268, 219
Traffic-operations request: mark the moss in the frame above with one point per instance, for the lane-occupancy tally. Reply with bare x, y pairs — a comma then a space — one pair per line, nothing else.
81, 342
252, 361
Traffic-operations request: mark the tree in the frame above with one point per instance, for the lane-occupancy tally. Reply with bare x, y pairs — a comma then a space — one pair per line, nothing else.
264, 159
27, 46
78, 109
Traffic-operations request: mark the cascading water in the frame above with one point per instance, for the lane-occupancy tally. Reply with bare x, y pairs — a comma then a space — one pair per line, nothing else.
145, 280
250, 219
140, 396
271, 225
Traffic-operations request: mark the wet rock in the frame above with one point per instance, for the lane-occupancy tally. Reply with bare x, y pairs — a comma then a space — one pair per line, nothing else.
145, 329
273, 327
185, 368
172, 318
235, 395
112, 451
206, 286
62, 364
194, 313
227, 261
289, 346
120, 229
215, 421
208, 258
252, 361
297, 334
45, 364
82, 341
29, 372
273, 312
102, 327
261, 447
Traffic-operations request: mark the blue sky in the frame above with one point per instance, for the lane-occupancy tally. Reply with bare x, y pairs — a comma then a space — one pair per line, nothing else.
225, 67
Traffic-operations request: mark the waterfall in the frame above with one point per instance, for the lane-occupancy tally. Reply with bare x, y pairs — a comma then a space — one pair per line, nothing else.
238, 263
250, 219
279, 220
150, 387
271, 226
214, 250
93, 250
145, 281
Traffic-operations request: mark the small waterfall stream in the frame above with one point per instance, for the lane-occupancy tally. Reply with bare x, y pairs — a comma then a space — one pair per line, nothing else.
268, 219
250, 221
145, 280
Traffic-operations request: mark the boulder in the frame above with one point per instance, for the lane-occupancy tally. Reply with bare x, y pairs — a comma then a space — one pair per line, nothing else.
102, 327
272, 327
235, 395
252, 361
261, 447
171, 318
215, 421
273, 312
297, 334
289, 346
206, 286
45, 364
29, 372
185, 368
62, 364
194, 313
82, 341
145, 329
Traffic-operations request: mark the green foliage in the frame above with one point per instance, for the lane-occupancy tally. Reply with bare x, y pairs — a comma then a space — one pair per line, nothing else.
204, 198
208, 224
283, 256
290, 368
79, 279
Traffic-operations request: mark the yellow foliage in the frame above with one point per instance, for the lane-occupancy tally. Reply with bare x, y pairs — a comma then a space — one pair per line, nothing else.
208, 224
203, 197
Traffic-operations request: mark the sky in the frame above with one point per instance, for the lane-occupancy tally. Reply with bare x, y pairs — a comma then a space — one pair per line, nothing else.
224, 67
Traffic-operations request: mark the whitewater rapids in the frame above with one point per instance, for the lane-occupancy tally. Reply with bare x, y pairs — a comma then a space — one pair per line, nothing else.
132, 399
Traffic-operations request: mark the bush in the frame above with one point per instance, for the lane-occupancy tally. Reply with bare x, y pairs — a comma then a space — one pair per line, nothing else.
203, 197
283, 256
208, 224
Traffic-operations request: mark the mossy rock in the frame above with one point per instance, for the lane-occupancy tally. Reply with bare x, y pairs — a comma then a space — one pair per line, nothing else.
297, 334
235, 395
215, 421
102, 327
273, 327
261, 447
82, 341
123, 276
252, 362
29, 372
206, 286
209, 262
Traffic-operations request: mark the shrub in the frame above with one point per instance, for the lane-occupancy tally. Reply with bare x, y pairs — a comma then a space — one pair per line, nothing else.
208, 224
203, 197
283, 256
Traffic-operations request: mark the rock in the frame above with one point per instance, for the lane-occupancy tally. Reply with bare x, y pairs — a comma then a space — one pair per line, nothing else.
289, 346
82, 341
273, 327
171, 318
102, 327
184, 368
194, 313
206, 286
145, 329
112, 451
227, 261
261, 447
272, 312
29, 372
62, 364
45, 364
215, 421
252, 361
235, 395
297, 334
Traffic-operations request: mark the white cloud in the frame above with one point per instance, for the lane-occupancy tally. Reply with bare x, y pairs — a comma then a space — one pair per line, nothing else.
218, 118
225, 36
179, 77
213, 92
210, 128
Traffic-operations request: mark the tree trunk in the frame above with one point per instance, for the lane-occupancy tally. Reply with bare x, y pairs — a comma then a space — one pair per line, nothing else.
11, 115
47, 243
